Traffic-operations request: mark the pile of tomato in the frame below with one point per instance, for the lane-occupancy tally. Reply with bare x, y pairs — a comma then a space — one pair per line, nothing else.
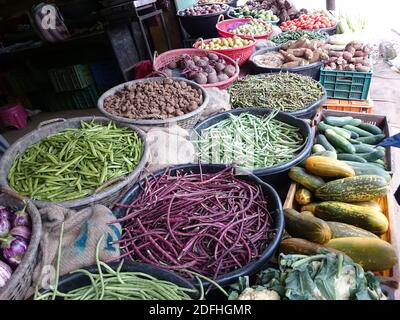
308, 22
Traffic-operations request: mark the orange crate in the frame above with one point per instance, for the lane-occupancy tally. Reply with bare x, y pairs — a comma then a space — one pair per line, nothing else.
364, 106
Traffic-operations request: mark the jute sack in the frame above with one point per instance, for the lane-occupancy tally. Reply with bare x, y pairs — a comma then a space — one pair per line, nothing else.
82, 231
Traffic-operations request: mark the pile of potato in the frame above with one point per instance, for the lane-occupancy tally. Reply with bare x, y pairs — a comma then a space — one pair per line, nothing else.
294, 53
353, 58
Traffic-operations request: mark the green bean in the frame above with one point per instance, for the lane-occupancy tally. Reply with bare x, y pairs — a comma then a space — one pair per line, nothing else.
109, 284
286, 92
250, 141
62, 166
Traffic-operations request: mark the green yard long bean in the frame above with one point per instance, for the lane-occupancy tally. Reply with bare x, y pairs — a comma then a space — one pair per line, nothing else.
250, 141
286, 92
110, 284
75, 162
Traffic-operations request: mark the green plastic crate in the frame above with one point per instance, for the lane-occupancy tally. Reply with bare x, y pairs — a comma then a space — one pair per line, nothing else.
81, 99
70, 78
346, 84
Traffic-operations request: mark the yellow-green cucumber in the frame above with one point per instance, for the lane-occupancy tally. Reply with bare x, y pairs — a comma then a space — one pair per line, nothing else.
369, 204
306, 227
373, 155
344, 230
342, 121
329, 154
307, 180
372, 139
302, 246
309, 207
370, 128
351, 157
362, 169
358, 131
362, 217
322, 127
318, 148
339, 142
354, 189
322, 140
372, 254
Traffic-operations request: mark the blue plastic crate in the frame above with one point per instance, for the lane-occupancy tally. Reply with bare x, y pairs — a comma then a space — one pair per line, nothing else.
346, 84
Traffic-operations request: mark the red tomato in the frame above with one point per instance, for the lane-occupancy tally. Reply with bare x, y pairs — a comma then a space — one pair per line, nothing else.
323, 25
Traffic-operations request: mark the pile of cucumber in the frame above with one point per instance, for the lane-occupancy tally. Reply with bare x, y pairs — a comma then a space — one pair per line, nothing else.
353, 141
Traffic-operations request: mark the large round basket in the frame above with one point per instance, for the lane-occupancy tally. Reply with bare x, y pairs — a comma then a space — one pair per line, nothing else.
105, 194
79, 279
187, 121
165, 58
274, 207
311, 70
20, 281
223, 27
281, 116
201, 25
237, 54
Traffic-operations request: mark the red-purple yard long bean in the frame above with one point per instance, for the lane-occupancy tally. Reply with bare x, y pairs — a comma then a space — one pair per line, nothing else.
211, 223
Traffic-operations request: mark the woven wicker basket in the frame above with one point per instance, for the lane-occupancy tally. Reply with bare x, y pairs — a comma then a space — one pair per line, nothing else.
20, 281
106, 194
187, 121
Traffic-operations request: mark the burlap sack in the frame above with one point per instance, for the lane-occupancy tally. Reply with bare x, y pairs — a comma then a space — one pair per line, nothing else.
82, 231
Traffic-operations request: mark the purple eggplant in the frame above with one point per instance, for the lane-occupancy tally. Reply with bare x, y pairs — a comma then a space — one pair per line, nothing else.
4, 226
20, 218
5, 273
5, 212
13, 250
21, 232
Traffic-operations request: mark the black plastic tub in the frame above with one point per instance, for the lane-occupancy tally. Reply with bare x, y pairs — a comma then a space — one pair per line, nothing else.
274, 207
76, 280
203, 25
281, 116
311, 70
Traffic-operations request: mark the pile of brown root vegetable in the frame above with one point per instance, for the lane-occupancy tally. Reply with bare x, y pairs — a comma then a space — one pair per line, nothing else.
154, 100
294, 53
353, 58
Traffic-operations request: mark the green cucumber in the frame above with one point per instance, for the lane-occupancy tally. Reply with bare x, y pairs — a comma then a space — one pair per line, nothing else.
360, 132
327, 153
370, 128
365, 169
372, 139
380, 161
322, 127
363, 148
372, 156
354, 141
341, 121
339, 142
351, 157
322, 140
318, 148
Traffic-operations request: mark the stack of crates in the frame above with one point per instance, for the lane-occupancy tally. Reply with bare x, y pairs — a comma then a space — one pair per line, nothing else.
74, 86
347, 90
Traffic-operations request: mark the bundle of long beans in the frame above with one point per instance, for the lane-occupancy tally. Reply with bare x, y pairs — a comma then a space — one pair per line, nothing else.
286, 92
110, 284
250, 141
73, 163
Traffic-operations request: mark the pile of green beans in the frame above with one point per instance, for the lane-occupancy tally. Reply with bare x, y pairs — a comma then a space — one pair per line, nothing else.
110, 284
285, 92
73, 163
250, 141
297, 34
